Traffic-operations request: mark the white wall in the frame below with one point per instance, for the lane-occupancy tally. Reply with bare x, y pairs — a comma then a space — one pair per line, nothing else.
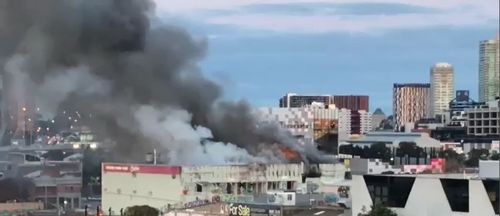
489, 169
155, 190
361, 199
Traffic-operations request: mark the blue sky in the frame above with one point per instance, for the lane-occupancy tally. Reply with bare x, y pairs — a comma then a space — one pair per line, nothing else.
260, 50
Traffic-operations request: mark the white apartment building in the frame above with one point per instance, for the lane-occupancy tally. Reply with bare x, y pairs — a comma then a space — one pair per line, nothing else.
299, 121
312, 122
441, 79
354, 123
344, 124
366, 119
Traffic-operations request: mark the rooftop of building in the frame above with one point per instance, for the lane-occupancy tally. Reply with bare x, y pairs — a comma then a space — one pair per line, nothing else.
469, 176
378, 111
419, 85
307, 95
443, 64
394, 138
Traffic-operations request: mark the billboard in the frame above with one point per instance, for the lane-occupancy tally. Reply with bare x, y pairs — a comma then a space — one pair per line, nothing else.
239, 209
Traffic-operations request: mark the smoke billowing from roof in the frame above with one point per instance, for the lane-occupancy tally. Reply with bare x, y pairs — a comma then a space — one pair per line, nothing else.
141, 84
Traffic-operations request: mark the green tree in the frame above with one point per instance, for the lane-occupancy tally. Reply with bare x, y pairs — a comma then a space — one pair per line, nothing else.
409, 148
454, 162
495, 156
379, 210
475, 155
143, 210
379, 150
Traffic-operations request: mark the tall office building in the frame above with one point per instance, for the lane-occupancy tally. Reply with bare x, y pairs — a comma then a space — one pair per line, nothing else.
441, 77
352, 102
489, 70
410, 103
292, 100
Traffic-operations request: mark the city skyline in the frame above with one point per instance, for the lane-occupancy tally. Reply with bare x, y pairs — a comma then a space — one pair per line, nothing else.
249, 107
250, 58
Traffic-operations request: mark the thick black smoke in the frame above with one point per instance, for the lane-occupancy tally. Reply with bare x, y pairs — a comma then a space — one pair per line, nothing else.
141, 84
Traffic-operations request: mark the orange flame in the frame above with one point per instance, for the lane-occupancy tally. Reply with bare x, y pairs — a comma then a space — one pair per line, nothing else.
289, 154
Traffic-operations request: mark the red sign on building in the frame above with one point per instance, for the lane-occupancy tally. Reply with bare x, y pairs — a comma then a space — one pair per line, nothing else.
145, 169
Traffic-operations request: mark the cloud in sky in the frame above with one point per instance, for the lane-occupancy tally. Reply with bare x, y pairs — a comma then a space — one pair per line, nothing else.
352, 16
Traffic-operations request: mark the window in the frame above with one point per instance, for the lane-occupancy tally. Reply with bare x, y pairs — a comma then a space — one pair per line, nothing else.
471, 123
289, 197
289, 185
457, 193
492, 188
199, 188
389, 190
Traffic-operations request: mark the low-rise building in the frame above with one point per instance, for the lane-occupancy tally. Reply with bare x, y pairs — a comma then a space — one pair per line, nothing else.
58, 184
167, 187
483, 121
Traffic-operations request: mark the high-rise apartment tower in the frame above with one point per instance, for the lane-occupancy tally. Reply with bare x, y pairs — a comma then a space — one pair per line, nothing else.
489, 70
441, 78
410, 103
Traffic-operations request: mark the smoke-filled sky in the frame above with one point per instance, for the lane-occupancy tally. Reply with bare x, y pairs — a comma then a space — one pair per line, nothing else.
268, 48
140, 81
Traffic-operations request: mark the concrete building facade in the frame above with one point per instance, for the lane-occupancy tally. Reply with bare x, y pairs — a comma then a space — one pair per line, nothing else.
426, 194
410, 103
441, 79
483, 120
489, 70
292, 100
